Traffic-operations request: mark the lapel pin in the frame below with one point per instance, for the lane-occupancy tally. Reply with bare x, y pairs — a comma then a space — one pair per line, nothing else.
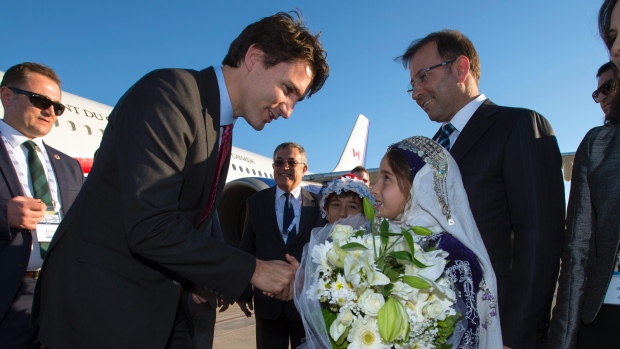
56, 156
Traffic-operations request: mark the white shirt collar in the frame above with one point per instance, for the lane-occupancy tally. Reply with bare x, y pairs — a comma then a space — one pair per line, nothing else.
15, 138
296, 192
226, 110
460, 119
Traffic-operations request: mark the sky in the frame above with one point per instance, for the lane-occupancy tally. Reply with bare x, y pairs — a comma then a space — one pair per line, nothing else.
540, 55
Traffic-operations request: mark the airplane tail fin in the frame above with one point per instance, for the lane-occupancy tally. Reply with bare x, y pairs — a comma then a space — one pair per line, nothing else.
354, 153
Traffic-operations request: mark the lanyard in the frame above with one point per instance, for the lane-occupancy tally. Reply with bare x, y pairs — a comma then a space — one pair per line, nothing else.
23, 178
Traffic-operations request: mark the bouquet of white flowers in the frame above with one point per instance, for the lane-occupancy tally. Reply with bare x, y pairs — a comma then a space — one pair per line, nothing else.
378, 289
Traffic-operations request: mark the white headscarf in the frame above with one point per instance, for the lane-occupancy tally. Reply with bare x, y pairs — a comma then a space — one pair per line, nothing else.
424, 208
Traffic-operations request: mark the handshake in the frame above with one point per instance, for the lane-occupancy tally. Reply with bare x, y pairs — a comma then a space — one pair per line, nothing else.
276, 278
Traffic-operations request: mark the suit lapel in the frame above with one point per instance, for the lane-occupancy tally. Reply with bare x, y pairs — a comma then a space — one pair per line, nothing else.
270, 211
9, 174
210, 96
474, 129
59, 167
306, 221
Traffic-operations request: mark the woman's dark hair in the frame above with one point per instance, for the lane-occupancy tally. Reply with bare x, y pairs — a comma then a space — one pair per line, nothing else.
604, 23
400, 167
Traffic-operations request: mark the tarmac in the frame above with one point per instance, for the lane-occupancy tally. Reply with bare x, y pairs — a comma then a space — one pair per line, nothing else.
233, 330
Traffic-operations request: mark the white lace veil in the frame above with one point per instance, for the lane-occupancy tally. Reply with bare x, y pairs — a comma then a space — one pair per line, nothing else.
424, 208
310, 310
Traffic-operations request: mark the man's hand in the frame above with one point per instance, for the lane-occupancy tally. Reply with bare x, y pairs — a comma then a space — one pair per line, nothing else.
276, 278
24, 212
200, 295
246, 308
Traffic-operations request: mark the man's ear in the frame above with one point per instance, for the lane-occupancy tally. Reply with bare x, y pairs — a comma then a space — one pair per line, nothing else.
462, 68
5, 96
253, 56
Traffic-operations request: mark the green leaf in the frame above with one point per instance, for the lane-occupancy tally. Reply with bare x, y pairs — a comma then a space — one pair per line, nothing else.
353, 246
416, 282
404, 255
359, 233
391, 274
445, 329
409, 239
421, 231
419, 264
369, 210
384, 232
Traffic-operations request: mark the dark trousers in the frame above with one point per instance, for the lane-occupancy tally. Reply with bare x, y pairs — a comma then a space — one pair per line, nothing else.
275, 334
16, 331
180, 337
603, 331
201, 321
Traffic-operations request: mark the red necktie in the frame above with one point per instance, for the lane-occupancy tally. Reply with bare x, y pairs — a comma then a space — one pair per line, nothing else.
221, 157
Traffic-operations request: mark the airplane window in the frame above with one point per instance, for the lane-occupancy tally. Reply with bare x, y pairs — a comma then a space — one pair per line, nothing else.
56, 123
100, 130
88, 130
254, 172
247, 170
240, 168
234, 167
260, 174
271, 175
71, 125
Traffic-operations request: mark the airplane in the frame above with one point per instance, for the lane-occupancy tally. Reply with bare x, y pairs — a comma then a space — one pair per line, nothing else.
79, 130
78, 133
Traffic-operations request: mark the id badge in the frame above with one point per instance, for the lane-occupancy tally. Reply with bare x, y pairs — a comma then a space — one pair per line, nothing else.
45, 232
48, 224
613, 291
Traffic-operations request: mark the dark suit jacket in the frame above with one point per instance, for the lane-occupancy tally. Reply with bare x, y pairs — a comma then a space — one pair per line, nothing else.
116, 266
511, 168
262, 238
16, 244
593, 235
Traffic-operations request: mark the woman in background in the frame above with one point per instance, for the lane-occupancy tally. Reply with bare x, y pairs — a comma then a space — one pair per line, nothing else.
588, 302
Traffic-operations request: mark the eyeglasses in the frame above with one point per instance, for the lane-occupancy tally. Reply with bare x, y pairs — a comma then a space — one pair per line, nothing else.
41, 102
605, 89
289, 162
423, 76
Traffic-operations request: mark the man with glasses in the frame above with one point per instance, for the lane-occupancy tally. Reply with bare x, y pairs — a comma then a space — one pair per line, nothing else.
278, 223
34, 176
142, 231
606, 86
511, 167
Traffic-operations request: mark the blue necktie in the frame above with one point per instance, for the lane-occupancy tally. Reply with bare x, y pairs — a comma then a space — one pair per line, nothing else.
289, 214
444, 135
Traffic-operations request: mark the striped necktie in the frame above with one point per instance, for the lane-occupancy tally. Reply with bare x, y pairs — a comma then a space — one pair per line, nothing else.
40, 186
444, 135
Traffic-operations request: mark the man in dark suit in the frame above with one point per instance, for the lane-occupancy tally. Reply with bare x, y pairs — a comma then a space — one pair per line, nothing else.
511, 168
278, 222
141, 226
30, 95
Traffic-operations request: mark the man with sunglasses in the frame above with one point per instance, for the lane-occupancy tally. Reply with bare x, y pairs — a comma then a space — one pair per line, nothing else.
511, 168
30, 95
278, 223
606, 86
142, 231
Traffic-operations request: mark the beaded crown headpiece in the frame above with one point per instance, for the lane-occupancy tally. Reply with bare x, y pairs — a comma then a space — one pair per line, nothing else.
417, 149
347, 183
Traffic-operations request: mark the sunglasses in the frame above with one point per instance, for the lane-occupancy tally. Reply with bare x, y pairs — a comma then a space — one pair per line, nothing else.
289, 162
41, 102
605, 89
